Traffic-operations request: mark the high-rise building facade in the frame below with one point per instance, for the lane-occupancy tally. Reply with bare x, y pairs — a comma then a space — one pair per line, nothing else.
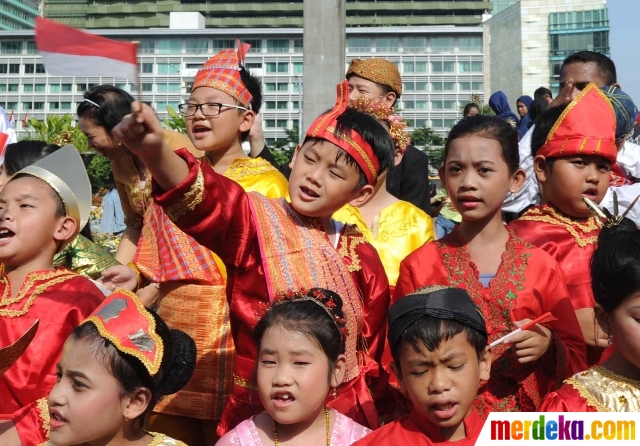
18, 14
530, 39
441, 68
101, 14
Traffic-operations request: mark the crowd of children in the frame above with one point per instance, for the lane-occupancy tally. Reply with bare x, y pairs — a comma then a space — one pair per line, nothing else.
245, 309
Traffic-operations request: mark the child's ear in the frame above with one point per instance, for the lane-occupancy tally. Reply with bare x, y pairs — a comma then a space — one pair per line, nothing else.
485, 364
397, 159
396, 371
295, 154
339, 369
362, 195
603, 319
517, 180
65, 229
136, 403
540, 166
441, 174
247, 121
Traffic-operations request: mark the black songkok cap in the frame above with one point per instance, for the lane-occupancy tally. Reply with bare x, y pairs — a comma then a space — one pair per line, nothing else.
446, 303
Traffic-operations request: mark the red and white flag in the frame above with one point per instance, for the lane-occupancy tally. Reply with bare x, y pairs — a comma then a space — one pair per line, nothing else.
25, 120
67, 51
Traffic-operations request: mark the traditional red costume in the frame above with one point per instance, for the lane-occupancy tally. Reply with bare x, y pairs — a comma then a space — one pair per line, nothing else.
415, 430
586, 128
268, 249
528, 283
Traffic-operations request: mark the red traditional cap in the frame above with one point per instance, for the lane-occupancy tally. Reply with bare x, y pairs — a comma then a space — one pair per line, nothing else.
123, 320
222, 72
586, 127
324, 127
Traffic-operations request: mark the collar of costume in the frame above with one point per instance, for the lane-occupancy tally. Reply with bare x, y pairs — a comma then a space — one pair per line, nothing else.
586, 127
222, 72
324, 127
377, 70
64, 171
447, 303
123, 320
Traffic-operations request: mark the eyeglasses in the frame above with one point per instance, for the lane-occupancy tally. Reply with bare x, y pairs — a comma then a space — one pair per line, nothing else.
209, 109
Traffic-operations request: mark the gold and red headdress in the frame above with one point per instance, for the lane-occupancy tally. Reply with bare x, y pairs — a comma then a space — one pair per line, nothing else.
384, 112
586, 127
131, 328
324, 127
222, 72
377, 70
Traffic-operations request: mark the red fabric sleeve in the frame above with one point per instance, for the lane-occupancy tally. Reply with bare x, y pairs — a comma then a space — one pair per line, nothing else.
32, 422
566, 399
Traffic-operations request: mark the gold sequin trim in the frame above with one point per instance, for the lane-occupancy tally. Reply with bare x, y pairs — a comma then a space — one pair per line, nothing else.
163, 440
43, 409
547, 214
247, 384
189, 201
356, 146
52, 278
347, 249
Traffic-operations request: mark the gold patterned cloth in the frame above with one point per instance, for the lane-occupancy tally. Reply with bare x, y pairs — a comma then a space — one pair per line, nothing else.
399, 230
377, 70
157, 440
606, 391
84, 257
192, 293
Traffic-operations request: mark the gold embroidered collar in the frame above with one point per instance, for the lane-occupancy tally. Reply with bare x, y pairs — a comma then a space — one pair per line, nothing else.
577, 228
606, 391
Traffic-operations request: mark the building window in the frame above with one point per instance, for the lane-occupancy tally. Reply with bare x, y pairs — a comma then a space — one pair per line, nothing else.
65, 106
421, 86
272, 67
283, 67
66, 88
122, 86
270, 105
3, 89
436, 67
436, 86
442, 44
298, 68
476, 66
254, 65
38, 105
415, 44
13, 88
408, 105
40, 69
27, 88
223, 44
147, 87
31, 47
470, 44
270, 123
170, 46
256, 45
449, 66
169, 68
40, 88
477, 86
359, 45
283, 87
465, 86
565, 44
464, 67
436, 105
54, 88
81, 88
407, 86
270, 86
408, 67
11, 47
295, 105
27, 105
410, 122
449, 105
14, 68
54, 106
4, 68
420, 123
146, 67
168, 88
146, 47
449, 86
282, 123
283, 105
387, 45
421, 105
197, 46
421, 67
298, 45
278, 45
449, 122
162, 106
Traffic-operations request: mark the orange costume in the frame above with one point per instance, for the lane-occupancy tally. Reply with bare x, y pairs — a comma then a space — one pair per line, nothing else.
192, 279
269, 249
587, 127
528, 284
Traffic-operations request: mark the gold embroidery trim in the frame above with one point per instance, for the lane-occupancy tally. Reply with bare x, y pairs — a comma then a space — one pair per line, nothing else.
353, 237
43, 409
163, 440
584, 393
152, 366
189, 201
247, 384
244, 167
547, 214
356, 146
52, 278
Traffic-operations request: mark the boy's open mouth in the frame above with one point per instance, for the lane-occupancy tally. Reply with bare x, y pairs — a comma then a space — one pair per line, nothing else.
6, 234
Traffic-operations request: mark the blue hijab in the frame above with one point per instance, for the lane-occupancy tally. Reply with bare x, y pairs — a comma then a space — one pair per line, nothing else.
526, 119
500, 106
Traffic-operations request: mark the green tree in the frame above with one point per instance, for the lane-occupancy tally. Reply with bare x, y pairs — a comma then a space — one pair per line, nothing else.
431, 143
99, 171
283, 148
58, 130
175, 121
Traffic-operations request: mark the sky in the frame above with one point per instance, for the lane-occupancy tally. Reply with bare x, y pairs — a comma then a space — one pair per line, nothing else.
624, 39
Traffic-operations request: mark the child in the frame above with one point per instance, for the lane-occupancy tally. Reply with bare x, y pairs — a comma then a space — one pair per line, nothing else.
300, 343
573, 148
511, 281
189, 279
41, 210
438, 340
613, 386
394, 227
270, 246
114, 367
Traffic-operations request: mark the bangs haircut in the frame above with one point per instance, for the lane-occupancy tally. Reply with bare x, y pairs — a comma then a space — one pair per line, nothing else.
431, 332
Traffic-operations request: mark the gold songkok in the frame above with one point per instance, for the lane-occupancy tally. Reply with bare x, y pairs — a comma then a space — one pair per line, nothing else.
377, 70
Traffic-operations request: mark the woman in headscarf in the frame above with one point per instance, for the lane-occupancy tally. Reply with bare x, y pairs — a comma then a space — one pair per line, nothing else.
500, 106
523, 105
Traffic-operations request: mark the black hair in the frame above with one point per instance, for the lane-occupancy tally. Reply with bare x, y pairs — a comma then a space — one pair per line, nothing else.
543, 125
605, 65
24, 153
176, 369
372, 132
488, 127
61, 211
468, 107
114, 104
615, 265
253, 84
541, 92
538, 106
431, 331
309, 318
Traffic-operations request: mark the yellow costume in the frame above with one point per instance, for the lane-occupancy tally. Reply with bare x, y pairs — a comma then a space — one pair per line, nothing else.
399, 230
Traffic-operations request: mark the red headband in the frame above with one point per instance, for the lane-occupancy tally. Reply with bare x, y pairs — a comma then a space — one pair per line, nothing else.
586, 127
325, 128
